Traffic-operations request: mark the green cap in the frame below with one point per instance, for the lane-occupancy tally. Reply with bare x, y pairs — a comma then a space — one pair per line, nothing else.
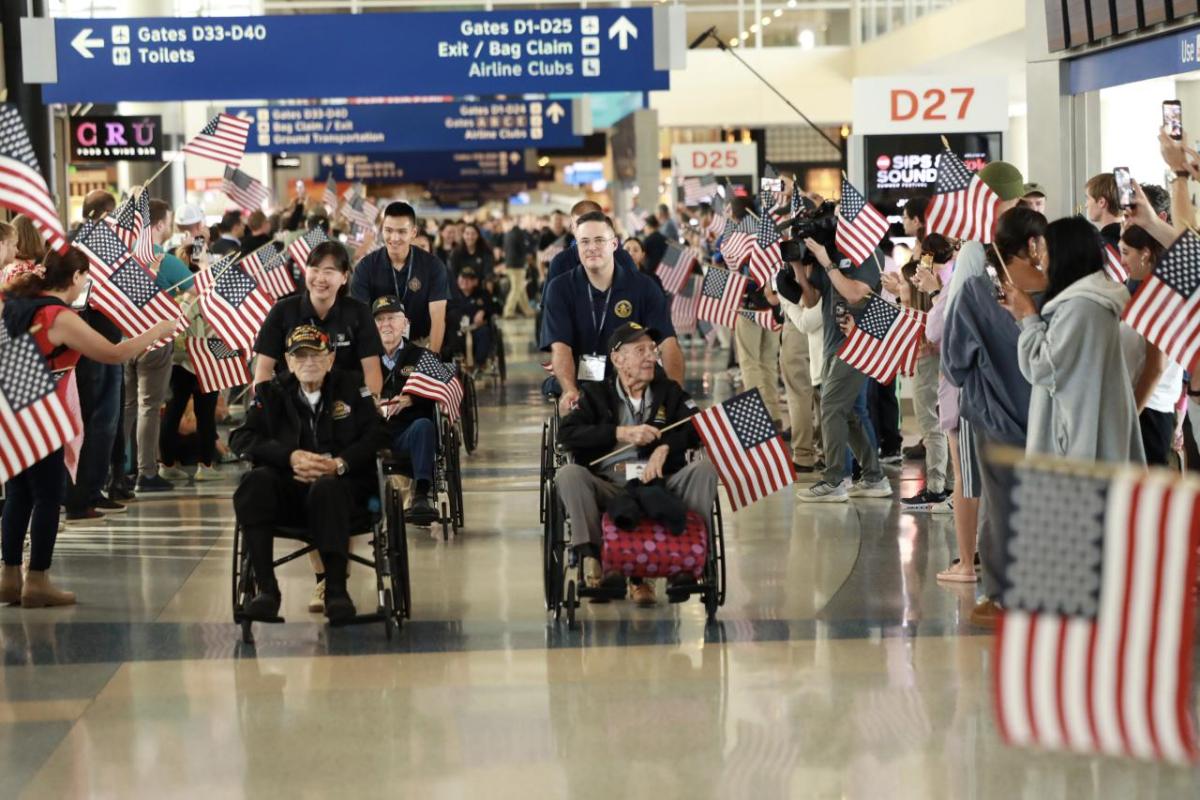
1004, 179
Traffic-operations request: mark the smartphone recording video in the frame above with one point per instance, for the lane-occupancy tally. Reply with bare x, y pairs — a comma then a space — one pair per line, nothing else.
1172, 115
1124, 186
771, 185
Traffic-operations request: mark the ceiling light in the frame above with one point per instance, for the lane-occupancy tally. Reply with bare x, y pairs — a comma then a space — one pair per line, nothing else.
779, 12
766, 21
791, 3
733, 42
754, 28
806, 39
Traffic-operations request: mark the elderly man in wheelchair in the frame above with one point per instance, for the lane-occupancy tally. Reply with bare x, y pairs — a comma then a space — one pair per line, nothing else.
629, 408
312, 435
470, 311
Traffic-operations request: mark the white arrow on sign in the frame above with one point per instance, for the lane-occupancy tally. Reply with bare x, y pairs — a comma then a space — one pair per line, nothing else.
555, 112
624, 29
82, 43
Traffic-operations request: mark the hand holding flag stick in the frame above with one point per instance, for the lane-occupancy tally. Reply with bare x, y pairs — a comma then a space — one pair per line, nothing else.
627, 447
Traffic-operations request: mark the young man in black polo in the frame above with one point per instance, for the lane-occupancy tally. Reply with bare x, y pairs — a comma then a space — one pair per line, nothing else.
400, 270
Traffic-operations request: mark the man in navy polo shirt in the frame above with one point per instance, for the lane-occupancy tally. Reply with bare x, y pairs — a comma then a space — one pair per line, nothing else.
568, 259
400, 270
585, 306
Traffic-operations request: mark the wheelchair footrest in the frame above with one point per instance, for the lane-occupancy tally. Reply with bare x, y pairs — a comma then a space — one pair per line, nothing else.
678, 594
359, 619
240, 618
602, 593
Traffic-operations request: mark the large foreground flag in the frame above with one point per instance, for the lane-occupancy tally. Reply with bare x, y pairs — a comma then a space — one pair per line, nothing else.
217, 366
885, 340
232, 303
223, 140
675, 267
1166, 309
436, 381
34, 420
268, 266
22, 187
720, 296
1094, 649
963, 206
746, 450
860, 227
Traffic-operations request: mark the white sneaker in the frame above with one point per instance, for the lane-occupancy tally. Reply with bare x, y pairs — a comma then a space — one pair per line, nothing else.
880, 488
204, 473
822, 492
316, 603
173, 474
944, 507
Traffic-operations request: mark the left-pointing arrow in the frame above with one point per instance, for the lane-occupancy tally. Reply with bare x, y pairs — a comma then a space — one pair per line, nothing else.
82, 43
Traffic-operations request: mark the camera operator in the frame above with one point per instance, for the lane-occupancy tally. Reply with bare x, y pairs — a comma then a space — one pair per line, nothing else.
822, 275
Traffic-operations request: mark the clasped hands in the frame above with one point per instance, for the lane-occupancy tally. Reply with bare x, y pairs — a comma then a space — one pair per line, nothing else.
308, 467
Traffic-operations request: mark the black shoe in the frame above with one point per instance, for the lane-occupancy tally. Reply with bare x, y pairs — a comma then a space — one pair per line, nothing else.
915, 453
924, 500
156, 483
801, 469
85, 515
109, 506
891, 457
422, 511
120, 493
264, 607
338, 605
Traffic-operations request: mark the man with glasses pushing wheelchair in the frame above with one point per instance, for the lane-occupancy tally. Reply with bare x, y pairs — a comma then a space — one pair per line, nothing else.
312, 435
631, 407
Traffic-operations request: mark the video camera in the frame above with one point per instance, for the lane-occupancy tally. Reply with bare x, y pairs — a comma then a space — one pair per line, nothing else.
810, 222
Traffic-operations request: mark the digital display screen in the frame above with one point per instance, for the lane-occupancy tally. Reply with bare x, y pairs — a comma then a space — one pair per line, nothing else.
900, 167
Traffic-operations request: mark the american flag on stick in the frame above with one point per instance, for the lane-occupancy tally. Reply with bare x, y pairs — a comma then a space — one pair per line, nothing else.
963, 206
34, 419
22, 187
269, 268
718, 220
1094, 648
232, 303
123, 289
354, 210
436, 381
885, 340
697, 190
763, 319
746, 450
1166, 309
304, 245
1113, 267
329, 198
737, 242
243, 189
764, 252
683, 306
675, 267
223, 139
860, 226
720, 296
131, 222
217, 365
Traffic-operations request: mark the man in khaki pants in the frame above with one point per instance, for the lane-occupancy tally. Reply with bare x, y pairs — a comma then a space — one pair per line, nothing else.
758, 356
797, 381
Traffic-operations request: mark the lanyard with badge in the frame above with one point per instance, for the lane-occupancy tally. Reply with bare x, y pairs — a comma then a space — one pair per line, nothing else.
592, 366
634, 469
407, 270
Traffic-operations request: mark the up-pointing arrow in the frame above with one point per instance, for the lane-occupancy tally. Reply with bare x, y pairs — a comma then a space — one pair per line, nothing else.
622, 28
555, 112
82, 43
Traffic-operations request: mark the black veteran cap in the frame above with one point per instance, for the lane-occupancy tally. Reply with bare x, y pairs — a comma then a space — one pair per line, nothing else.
307, 336
468, 272
631, 332
388, 304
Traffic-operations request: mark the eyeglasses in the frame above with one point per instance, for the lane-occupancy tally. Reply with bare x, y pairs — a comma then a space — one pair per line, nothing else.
588, 244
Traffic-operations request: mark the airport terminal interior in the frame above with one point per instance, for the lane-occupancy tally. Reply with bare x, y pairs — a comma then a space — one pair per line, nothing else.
704, 398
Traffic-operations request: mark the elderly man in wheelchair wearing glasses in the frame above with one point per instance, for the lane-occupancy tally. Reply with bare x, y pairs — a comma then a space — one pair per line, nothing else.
312, 435
631, 407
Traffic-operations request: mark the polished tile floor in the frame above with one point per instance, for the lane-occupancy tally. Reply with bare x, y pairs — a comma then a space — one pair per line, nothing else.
839, 668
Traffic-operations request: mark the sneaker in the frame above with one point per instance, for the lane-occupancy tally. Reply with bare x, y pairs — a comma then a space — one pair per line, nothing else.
944, 507
986, 614
316, 603
108, 506
880, 488
84, 516
891, 459
923, 500
822, 492
172, 474
154, 483
121, 494
915, 453
643, 594
592, 574
204, 473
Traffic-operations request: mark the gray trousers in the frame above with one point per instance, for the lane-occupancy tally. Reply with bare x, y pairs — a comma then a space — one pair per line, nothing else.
925, 405
841, 427
584, 495
995, 506
147, 379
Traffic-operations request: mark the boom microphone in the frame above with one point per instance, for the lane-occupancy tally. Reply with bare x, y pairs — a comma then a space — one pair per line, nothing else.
699, 40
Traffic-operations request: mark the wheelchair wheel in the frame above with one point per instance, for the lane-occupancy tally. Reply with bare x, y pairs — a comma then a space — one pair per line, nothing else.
717, 547
544, 472
501, 366
571, 603
469, 413
554, 553
401, 590
454, 484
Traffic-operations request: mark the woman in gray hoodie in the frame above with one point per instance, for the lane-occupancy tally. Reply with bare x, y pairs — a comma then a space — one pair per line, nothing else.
1082, 404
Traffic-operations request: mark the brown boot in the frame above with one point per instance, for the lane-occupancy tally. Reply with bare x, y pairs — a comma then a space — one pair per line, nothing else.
38, 593
10, 585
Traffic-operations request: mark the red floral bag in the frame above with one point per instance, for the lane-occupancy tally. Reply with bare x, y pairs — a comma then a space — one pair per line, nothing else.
652, 551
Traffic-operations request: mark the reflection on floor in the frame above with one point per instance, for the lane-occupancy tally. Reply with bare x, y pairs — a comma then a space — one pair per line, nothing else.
839, 668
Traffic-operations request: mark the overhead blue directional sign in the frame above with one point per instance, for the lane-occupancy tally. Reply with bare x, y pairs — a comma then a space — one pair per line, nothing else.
356, 55
483, 125
505, 165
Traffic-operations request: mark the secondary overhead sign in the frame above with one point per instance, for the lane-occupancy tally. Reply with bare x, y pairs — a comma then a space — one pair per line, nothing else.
483, 125
422, 167
348, 55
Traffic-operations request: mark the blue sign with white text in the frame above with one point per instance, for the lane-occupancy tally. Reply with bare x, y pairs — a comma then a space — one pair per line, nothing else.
423, 167
355, 55
481, 125
1170, 54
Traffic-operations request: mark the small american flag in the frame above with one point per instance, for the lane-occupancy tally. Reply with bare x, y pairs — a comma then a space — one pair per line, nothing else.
720, 296
436, 381
232, 302
223, 139
34, 420
22, 187
860, 227
354, 211
122, 288
131, 222
745, 448
1166, 308
217, 366
716, 223
764, 252
304, 245
697, 190
763, 319
885, 340
329, 198
1113, 267
1094, 649
675, 267
243, 189
963, 206
270, 269
737, 242
683, 306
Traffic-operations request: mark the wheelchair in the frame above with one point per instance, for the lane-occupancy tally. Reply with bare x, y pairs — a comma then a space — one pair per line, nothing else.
383, 521
447, 474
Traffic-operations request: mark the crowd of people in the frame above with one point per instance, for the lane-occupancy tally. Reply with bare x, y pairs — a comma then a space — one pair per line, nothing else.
1023, 347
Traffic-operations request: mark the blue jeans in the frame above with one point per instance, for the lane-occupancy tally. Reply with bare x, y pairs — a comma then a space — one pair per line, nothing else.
481, 342
419, 440
100, 403
31, 504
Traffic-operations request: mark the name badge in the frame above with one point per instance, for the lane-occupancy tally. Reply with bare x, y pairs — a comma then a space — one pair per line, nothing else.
634, 470
591, 368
